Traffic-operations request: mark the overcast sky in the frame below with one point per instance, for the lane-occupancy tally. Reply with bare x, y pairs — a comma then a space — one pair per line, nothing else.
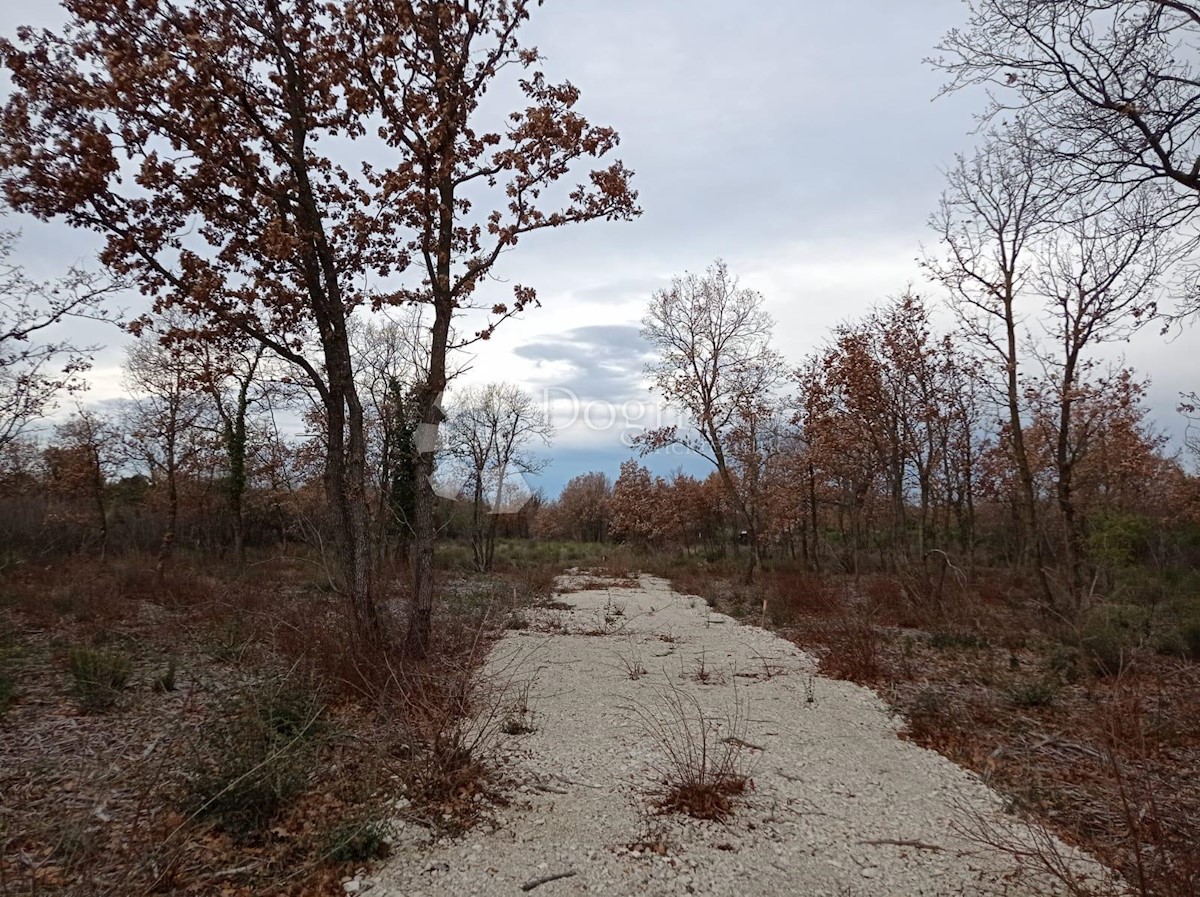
799, 141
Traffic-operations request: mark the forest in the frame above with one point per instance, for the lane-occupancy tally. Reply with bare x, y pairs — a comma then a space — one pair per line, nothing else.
245, 596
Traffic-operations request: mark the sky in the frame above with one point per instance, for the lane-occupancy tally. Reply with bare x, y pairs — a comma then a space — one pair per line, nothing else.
799, 141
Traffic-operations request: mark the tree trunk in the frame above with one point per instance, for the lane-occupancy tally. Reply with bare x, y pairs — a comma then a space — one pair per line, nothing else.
494, 520
1072, 536
478, 536
168, 539
420, 626
346, 487
1022, 458
812, 513
424, 532
98, 498
235, 440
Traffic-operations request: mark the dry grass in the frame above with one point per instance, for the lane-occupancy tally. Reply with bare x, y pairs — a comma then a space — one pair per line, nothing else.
587, 583
1107, 762
200, 777
702, 767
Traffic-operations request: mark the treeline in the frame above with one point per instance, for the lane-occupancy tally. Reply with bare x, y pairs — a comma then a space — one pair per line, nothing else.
892, 452
220, 451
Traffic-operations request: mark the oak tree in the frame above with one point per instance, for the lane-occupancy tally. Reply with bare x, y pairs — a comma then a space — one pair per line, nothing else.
274, 166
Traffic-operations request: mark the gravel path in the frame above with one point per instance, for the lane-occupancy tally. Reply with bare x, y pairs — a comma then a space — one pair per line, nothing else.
839, 805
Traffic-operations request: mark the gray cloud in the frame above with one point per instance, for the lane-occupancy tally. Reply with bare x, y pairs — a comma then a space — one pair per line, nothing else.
629, 289
599, 362
798, 142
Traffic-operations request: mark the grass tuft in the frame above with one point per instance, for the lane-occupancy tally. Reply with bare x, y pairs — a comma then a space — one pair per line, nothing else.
702, 765
99, 676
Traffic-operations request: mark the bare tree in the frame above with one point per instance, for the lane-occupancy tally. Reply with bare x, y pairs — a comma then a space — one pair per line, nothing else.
1016, 249
1098, 273
1111, 88
489, 435
33, 370
82, 456
391, 356
1103, 84
163, 422
716, 366
241, 383
995, 207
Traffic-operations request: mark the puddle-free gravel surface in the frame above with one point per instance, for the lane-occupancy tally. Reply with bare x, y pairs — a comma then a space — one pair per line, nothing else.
839, 804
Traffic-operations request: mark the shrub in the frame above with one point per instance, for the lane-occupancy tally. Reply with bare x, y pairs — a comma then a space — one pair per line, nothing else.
929, 714
854, 649
534, 582
1183, 637
256, 758
793, 594
445, 775
1109, 635
99, 675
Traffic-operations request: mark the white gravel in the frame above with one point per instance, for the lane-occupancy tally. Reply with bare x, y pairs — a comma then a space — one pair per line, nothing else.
833, 786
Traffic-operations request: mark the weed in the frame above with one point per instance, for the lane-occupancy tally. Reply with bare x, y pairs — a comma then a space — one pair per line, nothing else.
516, 621
229, 642
701, 767
99, 675
357, 842
770, 672
518, 720
633, 666
1038, 693
952, 640
257, 759
166, 681
703, 675
8, 689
